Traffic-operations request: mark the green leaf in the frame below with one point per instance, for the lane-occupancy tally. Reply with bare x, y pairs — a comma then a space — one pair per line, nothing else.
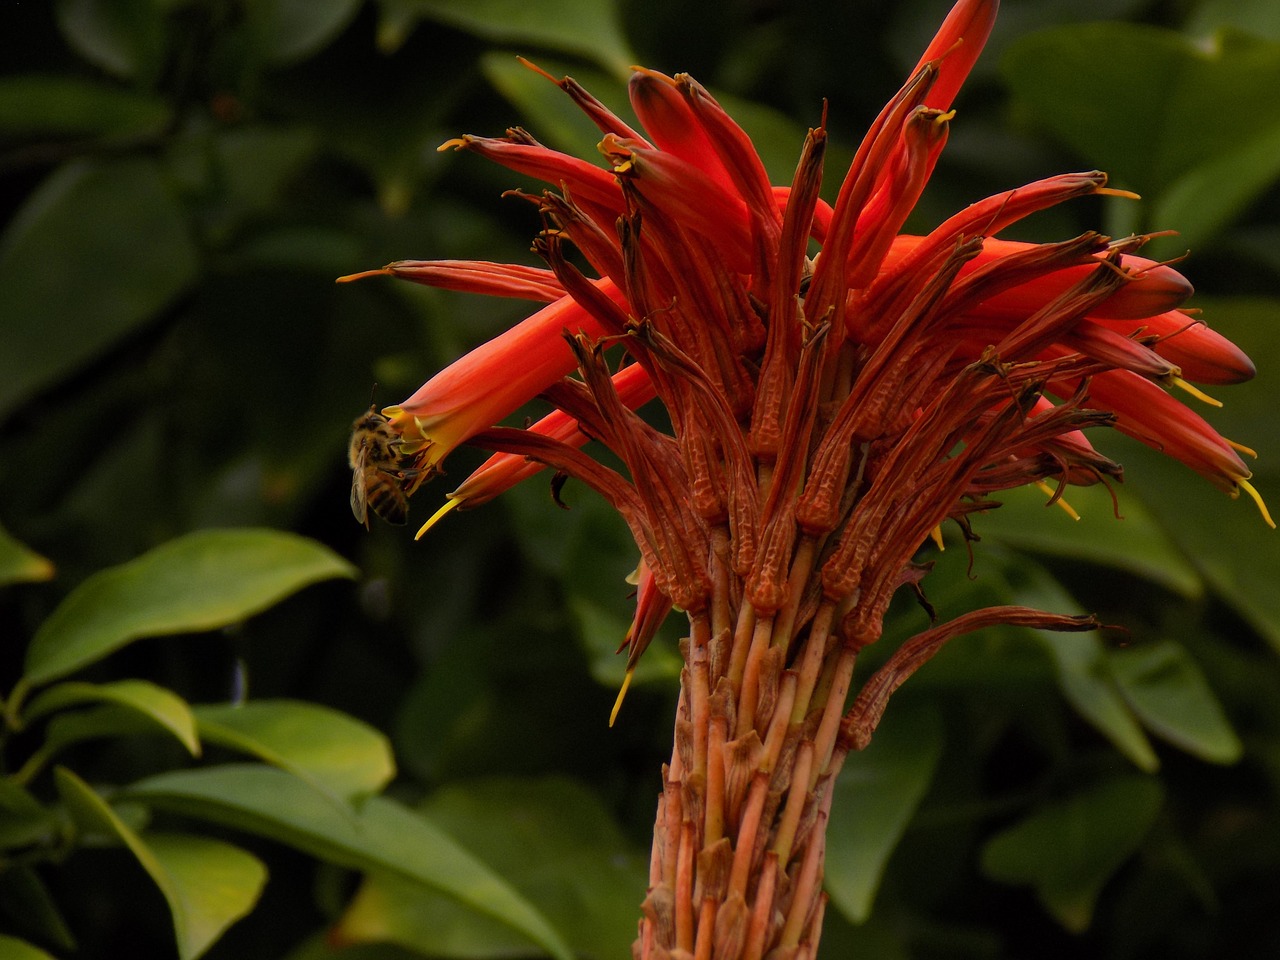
602, 630
876, 795
287, 31
11, 948
1180, 102
1209, 196
23, 819
96, 723
201, 581
164, 707
550, 838
44, 106
1136, 543
585, 28
69, 288
1259, 17
123, 37
388, 909
1004, 657
1236, 553
1085, 679
1084, 673
381, 835
16, 799
208, 884
1068, 850
213, 885
241, 172
329, 749
30, 909
19, 564
1170, 695
589, 549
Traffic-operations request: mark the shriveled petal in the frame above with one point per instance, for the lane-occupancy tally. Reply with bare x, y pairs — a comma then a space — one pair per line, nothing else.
473, 276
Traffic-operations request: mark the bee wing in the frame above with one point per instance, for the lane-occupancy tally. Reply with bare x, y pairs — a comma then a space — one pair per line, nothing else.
359, 506
359, 492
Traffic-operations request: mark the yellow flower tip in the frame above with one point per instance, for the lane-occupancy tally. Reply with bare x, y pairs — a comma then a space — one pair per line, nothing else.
457, 143
1069, 510
1195, 392
451, 504
936, 536
380, 272
1116, 192
1252, 491
617, 704
1241, 448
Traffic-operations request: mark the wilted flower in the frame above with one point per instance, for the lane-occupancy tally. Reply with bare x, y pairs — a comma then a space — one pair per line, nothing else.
827, 415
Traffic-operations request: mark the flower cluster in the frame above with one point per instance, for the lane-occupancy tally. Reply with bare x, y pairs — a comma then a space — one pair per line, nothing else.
826, 415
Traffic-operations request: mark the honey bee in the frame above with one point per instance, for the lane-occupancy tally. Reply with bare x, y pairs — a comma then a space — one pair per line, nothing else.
378, 473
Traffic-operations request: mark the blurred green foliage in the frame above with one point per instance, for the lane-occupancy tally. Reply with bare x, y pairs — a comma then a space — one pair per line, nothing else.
181, 181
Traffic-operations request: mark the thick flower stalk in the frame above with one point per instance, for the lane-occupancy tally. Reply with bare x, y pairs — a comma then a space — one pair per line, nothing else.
826, 415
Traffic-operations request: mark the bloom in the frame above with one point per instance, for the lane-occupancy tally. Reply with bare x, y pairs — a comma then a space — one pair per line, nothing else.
826, 415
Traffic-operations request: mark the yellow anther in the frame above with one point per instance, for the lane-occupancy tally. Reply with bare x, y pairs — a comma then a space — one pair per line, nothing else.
450, 504
936, 536
1069, 510
1195, 392
1241, 448
617, 704
1248, 488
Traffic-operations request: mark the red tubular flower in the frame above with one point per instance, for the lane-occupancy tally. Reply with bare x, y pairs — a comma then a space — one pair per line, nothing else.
490, 382
825, 416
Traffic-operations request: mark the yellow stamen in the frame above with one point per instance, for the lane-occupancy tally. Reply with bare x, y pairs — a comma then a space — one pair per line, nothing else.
936, 536
1195, 392
1066, 507
1241, 448
450, 504
617, 704
1248, 488
1115, 192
